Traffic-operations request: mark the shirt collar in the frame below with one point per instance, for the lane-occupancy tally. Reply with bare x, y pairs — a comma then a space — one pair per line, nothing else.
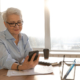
9, 36
20, 36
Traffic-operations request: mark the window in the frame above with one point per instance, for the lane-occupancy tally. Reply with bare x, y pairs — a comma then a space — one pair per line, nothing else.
53, 24
64, 24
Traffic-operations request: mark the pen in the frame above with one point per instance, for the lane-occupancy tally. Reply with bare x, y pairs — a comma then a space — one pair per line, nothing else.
71, 67
63, 64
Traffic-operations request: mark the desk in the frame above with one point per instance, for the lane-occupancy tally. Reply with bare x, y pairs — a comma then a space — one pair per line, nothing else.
55, 76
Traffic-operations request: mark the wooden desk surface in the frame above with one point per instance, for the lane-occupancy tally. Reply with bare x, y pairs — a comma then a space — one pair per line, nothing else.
54, 76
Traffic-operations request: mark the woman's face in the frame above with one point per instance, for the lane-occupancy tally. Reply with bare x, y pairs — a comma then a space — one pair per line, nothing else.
13, 28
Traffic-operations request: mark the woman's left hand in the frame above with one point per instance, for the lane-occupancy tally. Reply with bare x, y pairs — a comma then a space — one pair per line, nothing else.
29, 64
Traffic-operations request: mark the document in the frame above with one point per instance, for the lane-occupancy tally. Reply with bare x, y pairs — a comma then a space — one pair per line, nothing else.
39, 69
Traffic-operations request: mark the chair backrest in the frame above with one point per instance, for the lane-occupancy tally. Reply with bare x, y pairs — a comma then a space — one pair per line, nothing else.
2, 26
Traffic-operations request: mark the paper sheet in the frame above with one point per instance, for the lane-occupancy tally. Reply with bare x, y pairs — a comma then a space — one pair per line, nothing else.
39, 69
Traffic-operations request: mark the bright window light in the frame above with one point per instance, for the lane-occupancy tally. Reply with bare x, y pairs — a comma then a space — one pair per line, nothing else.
64, 24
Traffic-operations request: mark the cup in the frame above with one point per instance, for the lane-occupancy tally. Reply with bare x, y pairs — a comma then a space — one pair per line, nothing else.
46, 53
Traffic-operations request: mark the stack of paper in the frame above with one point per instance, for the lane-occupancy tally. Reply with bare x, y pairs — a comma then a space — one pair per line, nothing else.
39, 69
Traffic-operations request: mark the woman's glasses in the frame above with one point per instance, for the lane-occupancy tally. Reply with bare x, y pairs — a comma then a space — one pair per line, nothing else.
14, 24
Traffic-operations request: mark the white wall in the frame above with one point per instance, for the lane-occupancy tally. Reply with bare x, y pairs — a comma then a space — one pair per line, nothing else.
2, 27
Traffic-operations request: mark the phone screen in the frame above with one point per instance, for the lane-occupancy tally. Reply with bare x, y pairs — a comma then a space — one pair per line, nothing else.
31, 54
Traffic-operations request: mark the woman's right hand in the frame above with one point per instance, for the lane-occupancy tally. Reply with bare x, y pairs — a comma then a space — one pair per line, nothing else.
29, 64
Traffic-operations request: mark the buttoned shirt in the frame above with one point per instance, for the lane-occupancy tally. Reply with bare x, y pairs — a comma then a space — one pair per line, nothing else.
10, 52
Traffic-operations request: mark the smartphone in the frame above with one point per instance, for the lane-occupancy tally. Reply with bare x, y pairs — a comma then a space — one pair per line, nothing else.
31, 54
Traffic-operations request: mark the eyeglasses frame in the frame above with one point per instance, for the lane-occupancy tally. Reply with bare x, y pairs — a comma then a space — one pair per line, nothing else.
14, 23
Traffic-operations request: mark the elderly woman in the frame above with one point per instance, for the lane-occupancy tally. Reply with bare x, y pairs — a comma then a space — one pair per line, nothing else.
14, 46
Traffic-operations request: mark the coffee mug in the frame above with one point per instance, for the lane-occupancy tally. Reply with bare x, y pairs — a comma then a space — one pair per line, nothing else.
46, 53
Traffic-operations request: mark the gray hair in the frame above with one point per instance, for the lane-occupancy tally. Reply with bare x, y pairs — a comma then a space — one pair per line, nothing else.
10, 11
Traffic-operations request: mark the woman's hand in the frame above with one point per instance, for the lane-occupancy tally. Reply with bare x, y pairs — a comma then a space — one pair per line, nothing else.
29, 64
